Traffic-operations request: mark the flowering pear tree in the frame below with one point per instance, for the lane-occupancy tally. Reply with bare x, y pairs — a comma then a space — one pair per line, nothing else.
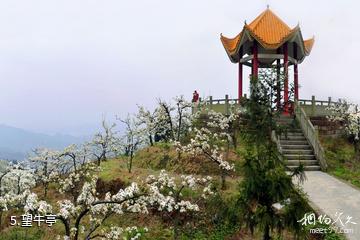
183, 115
348, 114
3, 200
148, 121
4, 171
85, 216
207, 142
132, 140
46, 163
15, 182
177, 117
72, 182
75, 156
166, 196
224, 126
84, 153
72, 213
18, 179
103, 142
165, 112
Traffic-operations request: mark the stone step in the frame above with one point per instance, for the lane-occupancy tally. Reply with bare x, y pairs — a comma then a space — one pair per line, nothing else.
297, 151
299, 157
295, 130
304, 162
308, 168
294, 142
290, 137
293, 134
293, 147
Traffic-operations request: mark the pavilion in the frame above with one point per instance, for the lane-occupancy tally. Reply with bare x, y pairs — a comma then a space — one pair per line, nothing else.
263, 44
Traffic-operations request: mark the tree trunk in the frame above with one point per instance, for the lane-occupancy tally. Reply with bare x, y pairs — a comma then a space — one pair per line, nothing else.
234, 139
178, 156
151, 140
223, 172
176, 229
45, 189
130, 161
223, 178
18, 186
357, 150
179, 126
1, 213
266, 233
74, 163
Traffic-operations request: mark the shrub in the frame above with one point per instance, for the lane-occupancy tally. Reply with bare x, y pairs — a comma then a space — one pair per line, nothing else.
112, 186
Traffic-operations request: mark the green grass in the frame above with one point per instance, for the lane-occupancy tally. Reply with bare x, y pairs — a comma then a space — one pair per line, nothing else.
150, 161
340, 157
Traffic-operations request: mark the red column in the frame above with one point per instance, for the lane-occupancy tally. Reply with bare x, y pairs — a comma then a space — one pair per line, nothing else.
296, 80
240, 89
286, 80
278, 84
255, 60
240, 77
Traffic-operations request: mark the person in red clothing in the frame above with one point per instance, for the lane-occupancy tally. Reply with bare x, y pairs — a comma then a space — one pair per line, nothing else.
195, 97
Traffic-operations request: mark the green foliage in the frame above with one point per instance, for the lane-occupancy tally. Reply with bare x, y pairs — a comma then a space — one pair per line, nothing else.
219, 221
340, 157
265, 181
18, 233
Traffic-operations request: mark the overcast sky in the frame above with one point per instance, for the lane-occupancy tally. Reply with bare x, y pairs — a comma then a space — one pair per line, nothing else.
65, 64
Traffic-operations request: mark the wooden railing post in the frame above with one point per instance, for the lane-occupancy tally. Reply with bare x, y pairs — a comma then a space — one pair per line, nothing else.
227, 104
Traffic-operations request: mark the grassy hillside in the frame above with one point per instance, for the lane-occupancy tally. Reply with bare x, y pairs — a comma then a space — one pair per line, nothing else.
219, 219
340, 156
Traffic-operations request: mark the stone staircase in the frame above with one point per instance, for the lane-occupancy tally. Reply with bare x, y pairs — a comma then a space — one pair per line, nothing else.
295, 147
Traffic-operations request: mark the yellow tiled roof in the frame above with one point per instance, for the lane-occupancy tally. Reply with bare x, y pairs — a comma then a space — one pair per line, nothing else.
269, 30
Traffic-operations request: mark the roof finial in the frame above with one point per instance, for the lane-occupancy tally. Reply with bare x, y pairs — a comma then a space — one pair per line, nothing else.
267, 6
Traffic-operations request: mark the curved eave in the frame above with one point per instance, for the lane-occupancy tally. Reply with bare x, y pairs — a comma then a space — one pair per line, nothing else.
308, 45
232, 45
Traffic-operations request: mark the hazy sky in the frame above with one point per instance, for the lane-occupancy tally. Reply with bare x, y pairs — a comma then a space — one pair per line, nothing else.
64, 64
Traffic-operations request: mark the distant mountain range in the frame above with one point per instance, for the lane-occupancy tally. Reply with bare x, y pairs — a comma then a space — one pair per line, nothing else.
16, 143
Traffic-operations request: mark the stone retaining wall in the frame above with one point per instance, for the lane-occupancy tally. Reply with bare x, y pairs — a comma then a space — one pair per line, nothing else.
326, 127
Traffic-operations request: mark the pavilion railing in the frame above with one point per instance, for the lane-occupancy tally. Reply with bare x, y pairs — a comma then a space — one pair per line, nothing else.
225, 100
311, 133
315, 102
315, 107
222, 105
312, 107
307, 102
